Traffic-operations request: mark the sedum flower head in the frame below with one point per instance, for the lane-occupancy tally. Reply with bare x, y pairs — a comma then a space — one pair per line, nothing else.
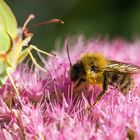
50, 109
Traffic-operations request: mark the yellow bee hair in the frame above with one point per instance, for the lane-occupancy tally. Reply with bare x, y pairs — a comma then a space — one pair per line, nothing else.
96, 59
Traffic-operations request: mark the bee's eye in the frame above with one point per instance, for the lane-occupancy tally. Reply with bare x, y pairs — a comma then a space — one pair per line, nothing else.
95, 69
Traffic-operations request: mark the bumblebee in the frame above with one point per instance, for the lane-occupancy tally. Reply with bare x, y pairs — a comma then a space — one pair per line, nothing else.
94, 68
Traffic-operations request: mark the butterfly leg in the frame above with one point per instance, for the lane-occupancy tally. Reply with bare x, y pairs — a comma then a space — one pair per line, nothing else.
27, 52
35, 62
24, 54
38, 50
105, 86
13, 84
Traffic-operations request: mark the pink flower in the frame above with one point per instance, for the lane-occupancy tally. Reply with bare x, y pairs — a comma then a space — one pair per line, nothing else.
49, 108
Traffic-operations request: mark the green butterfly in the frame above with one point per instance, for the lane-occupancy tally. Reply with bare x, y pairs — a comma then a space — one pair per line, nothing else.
12, 44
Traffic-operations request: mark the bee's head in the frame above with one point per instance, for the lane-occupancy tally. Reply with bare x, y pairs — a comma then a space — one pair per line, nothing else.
77, 72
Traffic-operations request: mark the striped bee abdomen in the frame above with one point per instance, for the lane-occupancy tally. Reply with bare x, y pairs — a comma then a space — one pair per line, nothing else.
123, 81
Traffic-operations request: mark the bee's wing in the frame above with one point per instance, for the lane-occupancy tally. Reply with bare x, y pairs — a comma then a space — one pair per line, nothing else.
122, 67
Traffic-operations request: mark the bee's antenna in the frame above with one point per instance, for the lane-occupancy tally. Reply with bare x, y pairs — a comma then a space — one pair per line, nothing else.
49, 21
67, 48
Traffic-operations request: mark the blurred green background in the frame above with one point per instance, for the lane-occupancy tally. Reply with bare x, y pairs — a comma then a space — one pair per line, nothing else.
93, 18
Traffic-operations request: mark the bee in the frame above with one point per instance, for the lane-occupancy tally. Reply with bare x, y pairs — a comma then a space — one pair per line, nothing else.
95, 68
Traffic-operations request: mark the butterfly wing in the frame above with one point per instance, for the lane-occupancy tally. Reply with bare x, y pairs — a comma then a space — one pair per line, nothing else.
8, 27
8, 21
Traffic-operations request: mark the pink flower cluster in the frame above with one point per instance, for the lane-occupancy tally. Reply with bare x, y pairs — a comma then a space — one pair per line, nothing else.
49, 109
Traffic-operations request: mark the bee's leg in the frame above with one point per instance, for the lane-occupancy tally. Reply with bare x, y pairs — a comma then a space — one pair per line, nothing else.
105, 86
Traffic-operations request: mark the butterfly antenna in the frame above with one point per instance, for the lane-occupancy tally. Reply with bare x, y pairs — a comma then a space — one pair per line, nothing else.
67, 48
30, 17
48, 22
